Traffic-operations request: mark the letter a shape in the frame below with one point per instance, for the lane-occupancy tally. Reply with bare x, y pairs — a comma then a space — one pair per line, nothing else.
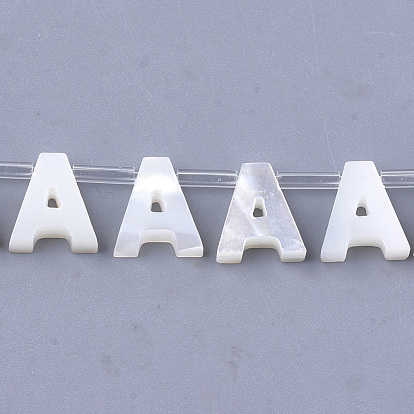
361, 187
53, 179
259, 217
157, 183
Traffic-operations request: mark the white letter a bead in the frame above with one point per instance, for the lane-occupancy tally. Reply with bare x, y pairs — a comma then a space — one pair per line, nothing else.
259, 217
53, 182
363, 215
157, 186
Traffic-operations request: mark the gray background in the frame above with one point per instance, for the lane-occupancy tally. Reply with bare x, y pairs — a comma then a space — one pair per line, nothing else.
305, 86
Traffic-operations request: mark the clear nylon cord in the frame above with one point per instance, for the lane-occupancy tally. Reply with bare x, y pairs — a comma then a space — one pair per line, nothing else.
208, 178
